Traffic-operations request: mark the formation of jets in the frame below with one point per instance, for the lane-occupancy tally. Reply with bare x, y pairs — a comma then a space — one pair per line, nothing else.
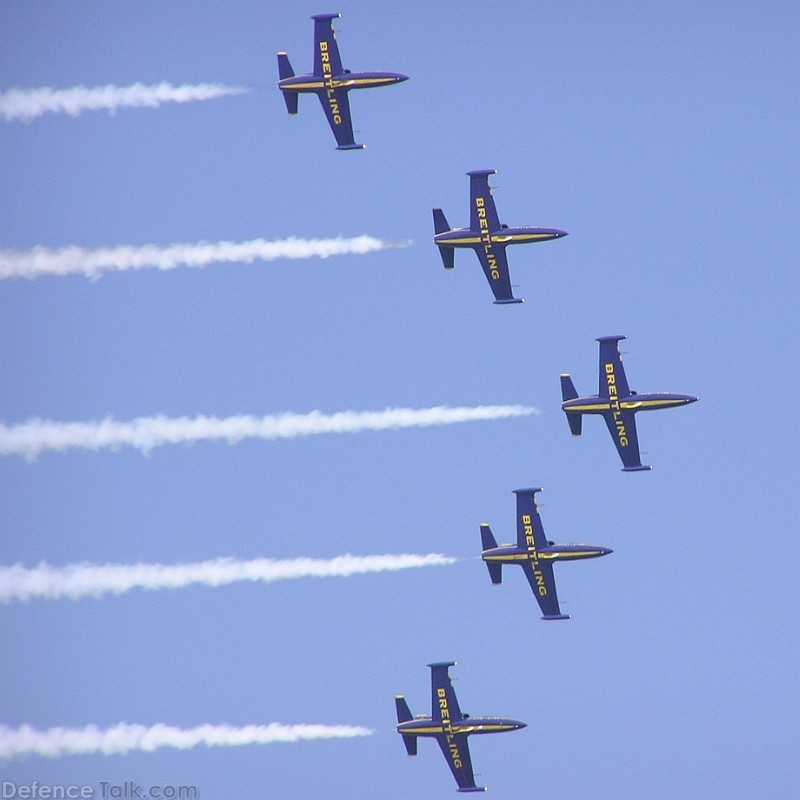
615, 402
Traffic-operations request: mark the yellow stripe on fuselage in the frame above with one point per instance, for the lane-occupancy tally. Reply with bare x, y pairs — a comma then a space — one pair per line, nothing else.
517, 239
576, 554
649, 403
522, 557
628, 405
301, 86
456, 729
468, 240
521, 238
328, 84
514, 557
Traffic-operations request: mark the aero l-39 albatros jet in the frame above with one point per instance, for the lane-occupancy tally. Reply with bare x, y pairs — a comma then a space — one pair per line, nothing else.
486, 236
449, 726
617, 403
330, 81
534, 553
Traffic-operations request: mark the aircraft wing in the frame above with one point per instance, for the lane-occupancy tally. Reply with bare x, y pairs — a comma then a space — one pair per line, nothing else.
543, 584
482, 211
495, 268
529, 523
444, 704
336, 105
612, 373
622, 427
326, 52
456, 753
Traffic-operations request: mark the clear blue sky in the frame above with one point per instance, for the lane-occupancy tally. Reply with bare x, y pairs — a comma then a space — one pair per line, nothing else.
663, 137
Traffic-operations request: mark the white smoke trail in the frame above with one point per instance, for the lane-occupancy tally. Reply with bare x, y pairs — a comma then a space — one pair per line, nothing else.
121, 739
30, 439
27, 104
94, 580
92, 263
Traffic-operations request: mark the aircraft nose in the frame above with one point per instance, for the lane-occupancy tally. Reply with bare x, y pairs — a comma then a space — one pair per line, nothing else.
522, 725
605, 551
400, 77
691, 399
559, 233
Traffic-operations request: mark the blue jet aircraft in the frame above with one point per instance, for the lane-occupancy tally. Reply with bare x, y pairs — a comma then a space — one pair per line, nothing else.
534, 553
330, 81
486, 236
449, 726
617, 404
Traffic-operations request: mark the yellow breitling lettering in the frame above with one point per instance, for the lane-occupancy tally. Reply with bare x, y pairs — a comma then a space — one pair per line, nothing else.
447, 729
327, 76
613, 397
486, 238
533, 554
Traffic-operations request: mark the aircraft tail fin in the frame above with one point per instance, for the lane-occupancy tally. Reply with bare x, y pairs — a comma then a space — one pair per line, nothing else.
489, 542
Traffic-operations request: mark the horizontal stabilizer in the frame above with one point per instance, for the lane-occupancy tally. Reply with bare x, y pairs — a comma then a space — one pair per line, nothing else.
403, 711
284, 67
509, 301
291, 99
439, 221
285, 71
448, 255
488, 542
639, 468
351, 147
440, 226
556, 616
568, 391
411, 744
473, 789
487, 537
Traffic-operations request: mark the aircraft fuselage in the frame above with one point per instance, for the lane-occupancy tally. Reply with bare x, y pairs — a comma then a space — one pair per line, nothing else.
425, 726
346, 81
634, 402
512, 554
464, 237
